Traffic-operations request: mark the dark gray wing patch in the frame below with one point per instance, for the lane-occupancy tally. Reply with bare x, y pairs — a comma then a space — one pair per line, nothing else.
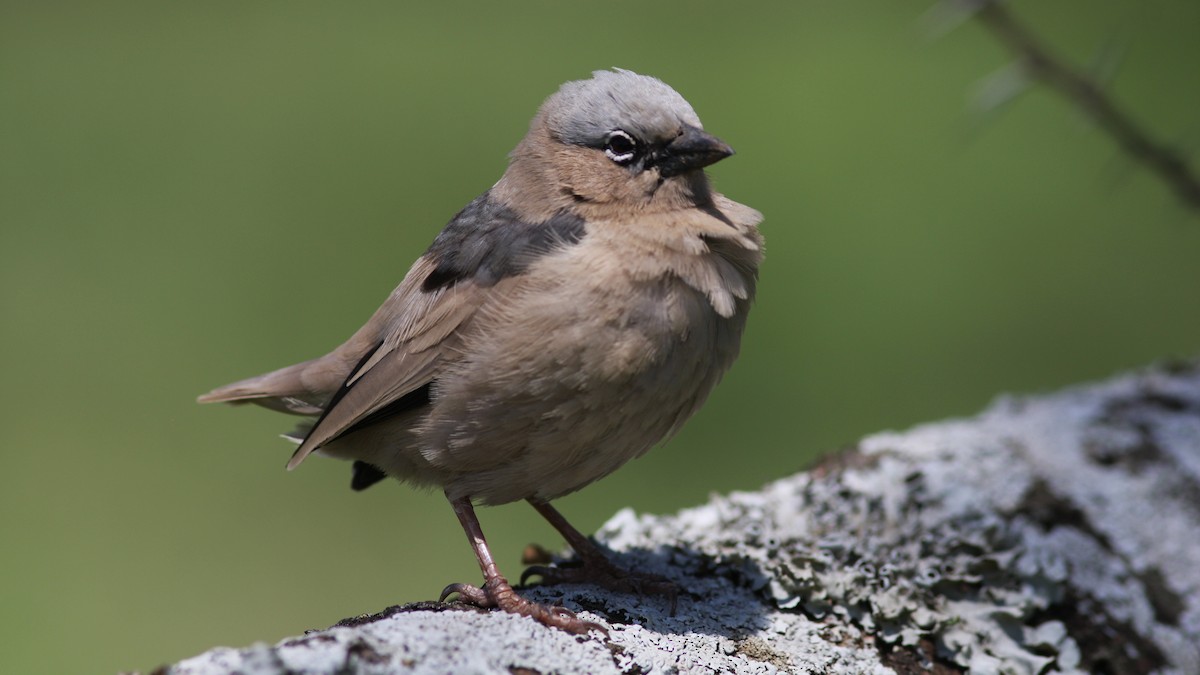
487, 242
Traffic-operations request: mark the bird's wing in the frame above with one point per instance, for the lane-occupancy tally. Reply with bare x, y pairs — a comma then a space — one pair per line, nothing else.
389, 365
478, 258
412, 320
414, 339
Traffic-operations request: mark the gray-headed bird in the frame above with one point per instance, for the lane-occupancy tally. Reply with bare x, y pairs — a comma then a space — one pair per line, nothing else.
567, 320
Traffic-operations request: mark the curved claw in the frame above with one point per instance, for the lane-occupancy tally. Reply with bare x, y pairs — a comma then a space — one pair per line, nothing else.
559, 610
472, 595
536, 571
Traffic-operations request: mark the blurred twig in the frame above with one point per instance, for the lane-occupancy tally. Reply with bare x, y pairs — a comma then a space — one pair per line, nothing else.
1039, 65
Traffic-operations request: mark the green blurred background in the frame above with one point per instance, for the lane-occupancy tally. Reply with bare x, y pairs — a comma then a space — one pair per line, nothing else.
191, 193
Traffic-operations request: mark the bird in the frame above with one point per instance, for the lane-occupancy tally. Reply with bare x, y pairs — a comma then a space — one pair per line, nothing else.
564, 322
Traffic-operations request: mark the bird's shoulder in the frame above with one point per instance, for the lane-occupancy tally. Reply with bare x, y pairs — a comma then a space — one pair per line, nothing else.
488, 241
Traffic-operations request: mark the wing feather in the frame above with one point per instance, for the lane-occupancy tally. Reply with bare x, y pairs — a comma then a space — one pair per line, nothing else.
479, 256
417, 332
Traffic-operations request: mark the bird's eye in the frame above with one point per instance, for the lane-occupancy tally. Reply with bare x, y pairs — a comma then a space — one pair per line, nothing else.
620, 147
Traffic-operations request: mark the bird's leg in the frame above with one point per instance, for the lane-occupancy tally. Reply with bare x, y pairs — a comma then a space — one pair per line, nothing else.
596, 568
496, 591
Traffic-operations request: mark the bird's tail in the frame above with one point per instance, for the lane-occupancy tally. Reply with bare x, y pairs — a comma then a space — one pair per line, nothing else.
282, 390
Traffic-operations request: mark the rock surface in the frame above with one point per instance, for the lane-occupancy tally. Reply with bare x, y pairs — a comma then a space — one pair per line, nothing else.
1049, 534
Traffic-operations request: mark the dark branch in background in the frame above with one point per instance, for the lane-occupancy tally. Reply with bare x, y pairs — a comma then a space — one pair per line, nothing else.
1039, 65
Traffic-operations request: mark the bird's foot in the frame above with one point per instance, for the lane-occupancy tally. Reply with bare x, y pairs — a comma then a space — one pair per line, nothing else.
601, 571
497, 592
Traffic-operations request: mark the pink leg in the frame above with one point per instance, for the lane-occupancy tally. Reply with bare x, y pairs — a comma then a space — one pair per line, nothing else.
597, 568
496, 591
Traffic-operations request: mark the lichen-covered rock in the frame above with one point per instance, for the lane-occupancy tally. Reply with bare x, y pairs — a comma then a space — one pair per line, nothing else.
1049, 534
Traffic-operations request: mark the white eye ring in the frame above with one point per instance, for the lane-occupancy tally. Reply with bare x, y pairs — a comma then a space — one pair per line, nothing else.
625, 148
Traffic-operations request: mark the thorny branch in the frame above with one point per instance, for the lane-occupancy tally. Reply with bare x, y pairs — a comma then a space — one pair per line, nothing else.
1090, 98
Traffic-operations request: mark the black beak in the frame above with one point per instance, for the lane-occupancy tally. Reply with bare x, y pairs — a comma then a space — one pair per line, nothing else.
692, 149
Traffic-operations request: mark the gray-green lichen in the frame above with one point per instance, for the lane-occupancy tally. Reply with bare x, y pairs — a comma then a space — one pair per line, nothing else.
1049, 534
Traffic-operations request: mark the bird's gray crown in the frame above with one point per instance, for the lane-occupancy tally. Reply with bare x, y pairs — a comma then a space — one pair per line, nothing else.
585, 112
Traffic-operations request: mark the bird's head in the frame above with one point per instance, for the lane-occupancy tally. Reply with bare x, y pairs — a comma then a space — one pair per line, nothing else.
617, 139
